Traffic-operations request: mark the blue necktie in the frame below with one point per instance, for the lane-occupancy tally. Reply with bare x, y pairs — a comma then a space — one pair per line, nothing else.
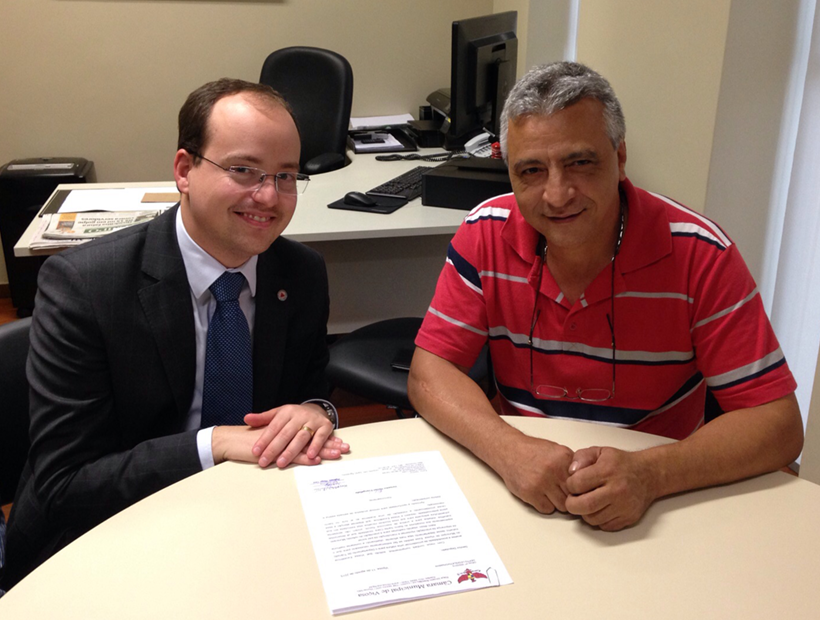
227, 390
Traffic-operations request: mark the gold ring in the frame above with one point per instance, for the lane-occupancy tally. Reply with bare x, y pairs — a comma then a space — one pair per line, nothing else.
308, 429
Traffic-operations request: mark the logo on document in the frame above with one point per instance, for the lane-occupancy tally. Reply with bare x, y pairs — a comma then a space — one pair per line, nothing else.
470, 575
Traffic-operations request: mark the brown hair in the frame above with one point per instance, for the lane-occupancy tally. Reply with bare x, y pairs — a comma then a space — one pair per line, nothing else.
195, 112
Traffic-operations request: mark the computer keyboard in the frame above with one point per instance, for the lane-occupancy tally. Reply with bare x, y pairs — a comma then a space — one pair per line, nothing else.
407, 185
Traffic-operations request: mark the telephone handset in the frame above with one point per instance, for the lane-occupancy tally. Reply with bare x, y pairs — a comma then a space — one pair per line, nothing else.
479, 146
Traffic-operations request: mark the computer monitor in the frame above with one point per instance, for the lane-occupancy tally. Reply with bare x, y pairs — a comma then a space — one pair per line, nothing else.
484, 59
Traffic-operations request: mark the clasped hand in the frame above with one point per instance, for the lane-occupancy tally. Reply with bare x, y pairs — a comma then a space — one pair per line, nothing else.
606, 487
285, 438
279, 435
609, 488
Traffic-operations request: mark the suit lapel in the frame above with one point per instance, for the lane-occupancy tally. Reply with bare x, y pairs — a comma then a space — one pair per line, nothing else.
270, 329
166, 300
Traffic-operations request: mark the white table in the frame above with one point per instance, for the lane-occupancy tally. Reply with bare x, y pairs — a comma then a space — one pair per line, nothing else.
379, 266
232, 542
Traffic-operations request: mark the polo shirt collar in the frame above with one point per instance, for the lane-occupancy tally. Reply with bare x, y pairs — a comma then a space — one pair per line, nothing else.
647, 239
519, 235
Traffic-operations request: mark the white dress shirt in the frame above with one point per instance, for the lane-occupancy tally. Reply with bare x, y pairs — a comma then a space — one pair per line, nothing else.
202, 270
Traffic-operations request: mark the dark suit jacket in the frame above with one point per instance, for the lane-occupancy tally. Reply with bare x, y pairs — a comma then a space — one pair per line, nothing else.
111, 372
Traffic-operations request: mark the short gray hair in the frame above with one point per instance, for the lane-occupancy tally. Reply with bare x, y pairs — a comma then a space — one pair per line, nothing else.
547, 89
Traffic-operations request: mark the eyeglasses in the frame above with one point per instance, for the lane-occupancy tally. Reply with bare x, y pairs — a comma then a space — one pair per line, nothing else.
590, 395
289, 183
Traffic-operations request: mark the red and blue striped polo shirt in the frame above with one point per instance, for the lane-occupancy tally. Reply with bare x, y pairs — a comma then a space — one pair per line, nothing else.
687, 315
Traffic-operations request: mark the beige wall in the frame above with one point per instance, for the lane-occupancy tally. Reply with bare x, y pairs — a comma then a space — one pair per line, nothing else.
104, 80
664, 60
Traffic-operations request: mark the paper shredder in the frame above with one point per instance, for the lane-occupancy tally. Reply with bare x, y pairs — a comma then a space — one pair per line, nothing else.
25, 185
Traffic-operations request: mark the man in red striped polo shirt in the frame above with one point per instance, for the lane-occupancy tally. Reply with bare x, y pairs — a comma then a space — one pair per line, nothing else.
601, 302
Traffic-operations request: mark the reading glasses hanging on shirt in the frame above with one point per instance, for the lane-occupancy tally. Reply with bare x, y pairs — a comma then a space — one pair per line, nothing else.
589, 395
288, 183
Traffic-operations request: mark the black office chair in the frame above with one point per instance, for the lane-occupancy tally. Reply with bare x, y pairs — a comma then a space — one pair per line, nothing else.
318, 85
362, 363
711, 408
14, 417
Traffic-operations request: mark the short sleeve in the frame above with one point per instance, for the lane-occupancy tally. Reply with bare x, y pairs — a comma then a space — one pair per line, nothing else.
736, 348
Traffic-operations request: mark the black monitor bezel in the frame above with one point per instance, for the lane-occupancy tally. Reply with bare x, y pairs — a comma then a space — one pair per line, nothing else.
469, 37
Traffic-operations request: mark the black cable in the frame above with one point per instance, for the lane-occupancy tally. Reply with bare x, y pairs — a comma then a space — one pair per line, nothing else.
446, 156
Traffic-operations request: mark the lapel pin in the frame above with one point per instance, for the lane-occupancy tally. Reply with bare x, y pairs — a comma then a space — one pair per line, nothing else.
282, 295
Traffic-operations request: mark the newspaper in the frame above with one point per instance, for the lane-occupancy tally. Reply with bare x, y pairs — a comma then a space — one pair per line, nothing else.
63, 230
93, 224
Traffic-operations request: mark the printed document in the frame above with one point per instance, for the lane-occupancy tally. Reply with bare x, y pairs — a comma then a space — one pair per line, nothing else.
392, 529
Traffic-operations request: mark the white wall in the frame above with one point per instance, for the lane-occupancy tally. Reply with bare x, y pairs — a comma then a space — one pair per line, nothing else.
742, 176
810, 461
793, 252
543, 29
548, 31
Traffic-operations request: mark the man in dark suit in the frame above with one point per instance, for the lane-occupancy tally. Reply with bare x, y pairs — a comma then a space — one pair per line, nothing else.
120, 342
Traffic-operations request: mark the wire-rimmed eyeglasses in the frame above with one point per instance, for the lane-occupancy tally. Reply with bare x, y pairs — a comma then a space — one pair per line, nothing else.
591, 395
289, 183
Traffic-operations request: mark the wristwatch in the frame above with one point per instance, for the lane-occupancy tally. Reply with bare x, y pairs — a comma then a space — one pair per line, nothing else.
330, 410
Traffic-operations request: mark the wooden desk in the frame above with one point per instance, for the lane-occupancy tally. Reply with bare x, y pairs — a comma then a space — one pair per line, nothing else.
379, 266
232, 542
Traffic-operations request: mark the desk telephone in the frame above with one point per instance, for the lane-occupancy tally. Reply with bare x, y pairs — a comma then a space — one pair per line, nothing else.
479, 146
397, 192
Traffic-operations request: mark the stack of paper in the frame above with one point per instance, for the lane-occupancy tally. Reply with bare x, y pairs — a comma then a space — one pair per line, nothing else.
392, 529
363, 123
